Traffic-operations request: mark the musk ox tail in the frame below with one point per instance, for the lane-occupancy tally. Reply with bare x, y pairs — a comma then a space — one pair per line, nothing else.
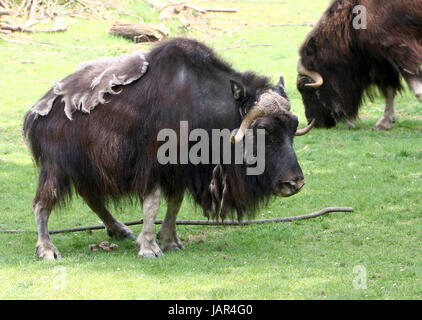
31, 122
29, 125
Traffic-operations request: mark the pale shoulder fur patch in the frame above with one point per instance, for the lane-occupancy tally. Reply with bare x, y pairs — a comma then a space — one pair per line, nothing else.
85, 88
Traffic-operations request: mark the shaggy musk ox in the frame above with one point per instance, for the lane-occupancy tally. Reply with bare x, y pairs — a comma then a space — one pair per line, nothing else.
339, 63
96, 132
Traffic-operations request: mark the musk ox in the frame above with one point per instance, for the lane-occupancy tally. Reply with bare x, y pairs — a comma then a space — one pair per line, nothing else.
96, 132
343, 57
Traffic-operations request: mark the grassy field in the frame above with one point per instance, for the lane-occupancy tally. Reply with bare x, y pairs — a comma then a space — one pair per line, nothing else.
377, 173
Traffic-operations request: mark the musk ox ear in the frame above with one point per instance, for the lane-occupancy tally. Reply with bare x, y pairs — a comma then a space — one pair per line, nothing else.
280, 83
239, 91
280, 88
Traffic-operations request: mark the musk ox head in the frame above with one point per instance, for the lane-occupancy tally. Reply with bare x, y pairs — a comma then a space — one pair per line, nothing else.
264, 114
330, 82
316, 91
270, 115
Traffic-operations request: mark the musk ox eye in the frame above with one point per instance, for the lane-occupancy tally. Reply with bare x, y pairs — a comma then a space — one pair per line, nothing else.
266, 130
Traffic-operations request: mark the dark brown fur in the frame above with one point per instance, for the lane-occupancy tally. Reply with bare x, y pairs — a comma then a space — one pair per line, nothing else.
111, 152
352, 60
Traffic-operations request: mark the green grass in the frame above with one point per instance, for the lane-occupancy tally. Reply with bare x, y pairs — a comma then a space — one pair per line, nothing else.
378, 173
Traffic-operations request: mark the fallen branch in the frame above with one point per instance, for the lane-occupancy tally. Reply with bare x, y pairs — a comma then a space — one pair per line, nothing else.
204, 222
5, 12
186, 5
226, 10
9, 27
247, 46
181, 9
139, 32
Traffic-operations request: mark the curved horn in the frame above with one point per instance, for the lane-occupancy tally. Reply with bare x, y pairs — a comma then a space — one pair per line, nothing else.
302, 132
315, 76
249, 118
268, 103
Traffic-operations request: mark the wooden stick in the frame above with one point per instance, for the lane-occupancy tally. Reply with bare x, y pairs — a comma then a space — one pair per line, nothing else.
247, 46
185, 4
226, 10
204, 222
6, 26
5, 12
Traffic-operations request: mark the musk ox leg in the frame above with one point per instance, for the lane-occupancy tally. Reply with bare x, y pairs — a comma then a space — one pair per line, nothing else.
167, 233
146, 240
388, 118
52, 186
45, 248
115, 228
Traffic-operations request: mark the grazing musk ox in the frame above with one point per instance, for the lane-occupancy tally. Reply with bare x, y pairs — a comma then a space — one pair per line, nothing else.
339, 63
97, 129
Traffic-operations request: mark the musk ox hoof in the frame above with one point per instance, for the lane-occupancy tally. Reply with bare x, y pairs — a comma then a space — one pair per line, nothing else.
120, 232
149, 248
382, 127
350, 124
47, 252
384, 124
150, 253
175, 244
